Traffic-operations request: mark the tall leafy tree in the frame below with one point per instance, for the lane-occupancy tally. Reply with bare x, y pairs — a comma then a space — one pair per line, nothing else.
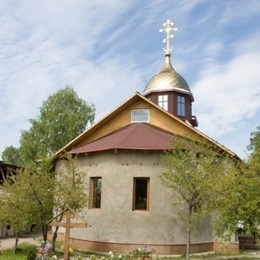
191, 171
238, 202
62, 117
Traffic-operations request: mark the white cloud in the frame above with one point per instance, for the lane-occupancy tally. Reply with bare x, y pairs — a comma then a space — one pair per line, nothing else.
239, 12
228, 94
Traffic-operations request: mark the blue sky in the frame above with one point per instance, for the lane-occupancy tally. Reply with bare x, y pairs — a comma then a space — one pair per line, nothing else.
108, 50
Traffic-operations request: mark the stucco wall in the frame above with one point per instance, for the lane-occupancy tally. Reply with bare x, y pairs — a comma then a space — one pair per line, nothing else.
116, 221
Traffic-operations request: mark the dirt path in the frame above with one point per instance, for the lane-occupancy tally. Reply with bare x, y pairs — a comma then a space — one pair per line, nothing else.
7, 243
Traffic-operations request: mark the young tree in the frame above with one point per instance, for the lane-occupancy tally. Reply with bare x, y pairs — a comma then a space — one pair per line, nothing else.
27, 199
62, 117
70, 185
191, 171
69, 189
12, 214
34, 194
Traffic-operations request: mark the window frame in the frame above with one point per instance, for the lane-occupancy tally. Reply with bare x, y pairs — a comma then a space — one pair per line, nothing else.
133, 120
181, 105
147, 198
163, 102
93, 182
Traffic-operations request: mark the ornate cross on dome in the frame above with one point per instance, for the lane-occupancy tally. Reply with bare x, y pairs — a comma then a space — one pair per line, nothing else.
168, 29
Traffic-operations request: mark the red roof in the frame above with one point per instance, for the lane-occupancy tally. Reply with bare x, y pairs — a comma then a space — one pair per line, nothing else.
138, 136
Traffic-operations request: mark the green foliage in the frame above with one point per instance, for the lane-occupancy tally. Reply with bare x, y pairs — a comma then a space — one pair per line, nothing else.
254, 147
238, 200
243, 208
70, 185
226, 202
27, 198
193, 171
31, 255
255, 140
12, 156
224, 186
63, 116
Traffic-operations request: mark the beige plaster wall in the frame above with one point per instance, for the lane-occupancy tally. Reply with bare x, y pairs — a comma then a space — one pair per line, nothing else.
116, 221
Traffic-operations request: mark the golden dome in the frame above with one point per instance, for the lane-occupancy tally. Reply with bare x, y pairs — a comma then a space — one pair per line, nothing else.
167, 80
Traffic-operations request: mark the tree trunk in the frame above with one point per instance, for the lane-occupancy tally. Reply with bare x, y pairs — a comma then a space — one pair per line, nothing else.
44, 231
16, 243
188, 234
54, 237
55, 233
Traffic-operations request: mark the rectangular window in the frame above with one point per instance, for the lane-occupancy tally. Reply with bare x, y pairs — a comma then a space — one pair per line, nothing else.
181, 106
163, 101
95, 192
141, 194
139, 115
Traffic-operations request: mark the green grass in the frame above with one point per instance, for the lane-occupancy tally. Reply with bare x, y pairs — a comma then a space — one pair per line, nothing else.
21, 252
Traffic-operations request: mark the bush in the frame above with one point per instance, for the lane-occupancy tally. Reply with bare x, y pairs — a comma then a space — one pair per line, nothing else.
31, 255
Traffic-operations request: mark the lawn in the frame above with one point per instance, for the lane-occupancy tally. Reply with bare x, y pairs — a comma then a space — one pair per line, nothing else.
21, 253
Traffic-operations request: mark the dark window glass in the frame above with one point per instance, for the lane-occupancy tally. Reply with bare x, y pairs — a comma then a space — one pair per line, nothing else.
141, 194
95, 192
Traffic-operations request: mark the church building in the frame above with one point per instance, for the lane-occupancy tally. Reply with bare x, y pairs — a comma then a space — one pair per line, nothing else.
122, 156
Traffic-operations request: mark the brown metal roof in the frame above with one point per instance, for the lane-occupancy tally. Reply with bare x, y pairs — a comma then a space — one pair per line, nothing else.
138, 136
